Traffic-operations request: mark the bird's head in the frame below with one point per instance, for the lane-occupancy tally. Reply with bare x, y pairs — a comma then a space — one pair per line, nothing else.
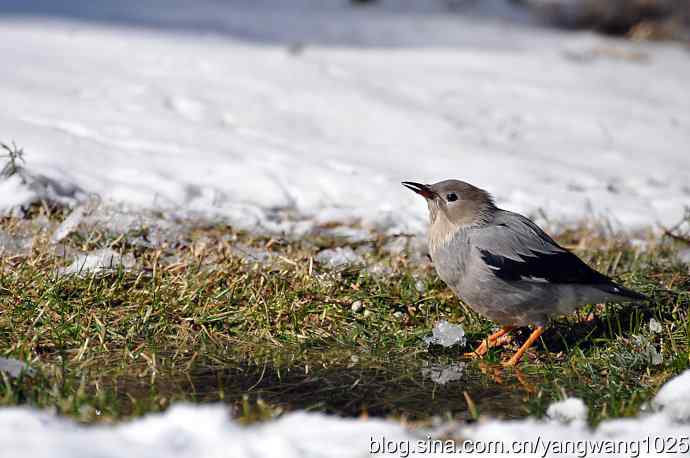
454, 202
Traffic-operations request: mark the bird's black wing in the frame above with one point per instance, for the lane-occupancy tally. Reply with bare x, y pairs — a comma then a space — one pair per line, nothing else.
553, 267
514, 248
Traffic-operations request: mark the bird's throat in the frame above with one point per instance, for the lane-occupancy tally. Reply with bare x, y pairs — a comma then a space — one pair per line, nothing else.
441, 231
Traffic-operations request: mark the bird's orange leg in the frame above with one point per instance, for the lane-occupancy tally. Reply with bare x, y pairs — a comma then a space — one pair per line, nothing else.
491, 341
530, 341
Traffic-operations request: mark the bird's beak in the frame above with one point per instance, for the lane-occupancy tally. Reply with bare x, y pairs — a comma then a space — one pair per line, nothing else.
421, 189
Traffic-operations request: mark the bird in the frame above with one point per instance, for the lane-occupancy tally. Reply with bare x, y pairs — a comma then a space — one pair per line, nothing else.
504, 266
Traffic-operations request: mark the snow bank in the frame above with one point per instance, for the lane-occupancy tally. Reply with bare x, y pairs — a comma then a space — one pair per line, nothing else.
674, 398
243, 122
188, 431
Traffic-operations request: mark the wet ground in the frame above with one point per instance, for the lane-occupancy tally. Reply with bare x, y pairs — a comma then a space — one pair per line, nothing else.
416, 388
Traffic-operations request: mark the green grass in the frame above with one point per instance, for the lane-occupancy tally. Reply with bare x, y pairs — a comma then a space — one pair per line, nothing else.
194, 321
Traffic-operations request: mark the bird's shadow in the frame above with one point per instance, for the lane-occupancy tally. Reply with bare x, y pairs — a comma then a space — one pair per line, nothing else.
585, 330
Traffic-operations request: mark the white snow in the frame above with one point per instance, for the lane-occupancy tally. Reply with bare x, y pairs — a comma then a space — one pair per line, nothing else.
100, 262
654, 326
339, 258
14, 367
654, 357
70, 223
674, 398
251, 254
10, 245
684, 256
446, 334
567, 410
239, 108
645, 349
188, 431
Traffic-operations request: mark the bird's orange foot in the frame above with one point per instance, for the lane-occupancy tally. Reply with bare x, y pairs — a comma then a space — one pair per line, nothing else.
498, 338
478, 352
512, 362
530, 341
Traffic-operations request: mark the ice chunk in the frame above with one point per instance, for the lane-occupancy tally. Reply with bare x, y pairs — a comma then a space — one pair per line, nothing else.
396, 246
418, 250
251, 254
99, 261
14, 245
14, 367
379, 270
684, 256
444, 373
339, 258
364, 249
640, 244
674, 398
351, 234
567, 410
446, 335
644, 348
653, 356
655, 326
69, 224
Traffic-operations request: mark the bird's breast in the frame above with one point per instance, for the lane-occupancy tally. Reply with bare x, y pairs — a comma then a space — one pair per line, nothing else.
450, 258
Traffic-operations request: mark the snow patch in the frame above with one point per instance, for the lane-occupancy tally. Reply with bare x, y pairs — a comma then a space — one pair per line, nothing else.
188, 431
10, 245
252, 255
568, 410
655, 326
100, 262
329, 133
73, 220
339, 258
674, 398
14, 367
684, 256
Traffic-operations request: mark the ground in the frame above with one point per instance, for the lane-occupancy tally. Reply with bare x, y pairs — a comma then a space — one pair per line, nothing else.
204, 312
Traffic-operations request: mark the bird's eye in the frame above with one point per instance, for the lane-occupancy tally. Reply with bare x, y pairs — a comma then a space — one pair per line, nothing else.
451, 197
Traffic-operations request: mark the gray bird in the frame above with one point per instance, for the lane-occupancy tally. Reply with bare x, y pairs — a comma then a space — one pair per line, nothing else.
504, 266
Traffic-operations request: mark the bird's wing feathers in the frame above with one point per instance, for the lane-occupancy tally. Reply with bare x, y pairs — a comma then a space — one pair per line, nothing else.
515, 248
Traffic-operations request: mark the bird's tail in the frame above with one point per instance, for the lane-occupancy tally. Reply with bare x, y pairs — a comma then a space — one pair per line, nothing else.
622, 291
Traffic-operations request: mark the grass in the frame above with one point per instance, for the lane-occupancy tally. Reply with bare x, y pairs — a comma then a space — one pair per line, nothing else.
196, 319
13, 155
